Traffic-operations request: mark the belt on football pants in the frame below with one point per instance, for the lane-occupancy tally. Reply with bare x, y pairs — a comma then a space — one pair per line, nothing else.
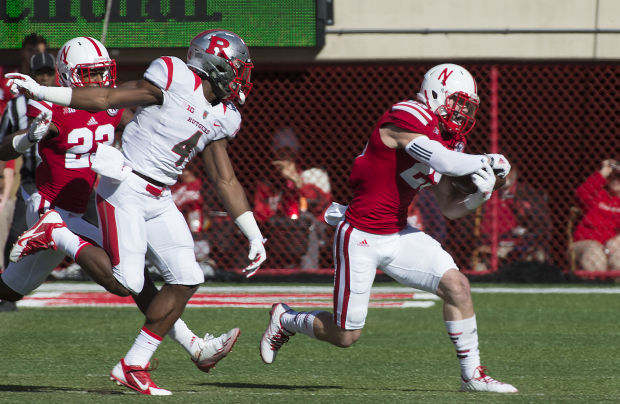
150, 188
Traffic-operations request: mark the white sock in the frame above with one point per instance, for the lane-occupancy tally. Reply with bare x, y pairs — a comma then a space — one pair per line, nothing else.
143, 348
68, 242
181, 333
464, 335
302, 322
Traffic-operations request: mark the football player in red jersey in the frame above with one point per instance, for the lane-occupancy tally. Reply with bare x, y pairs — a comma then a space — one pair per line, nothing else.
185, 109
416, 144
67, 140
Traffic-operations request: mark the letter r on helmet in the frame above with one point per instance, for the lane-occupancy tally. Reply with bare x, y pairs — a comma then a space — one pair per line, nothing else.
220, 44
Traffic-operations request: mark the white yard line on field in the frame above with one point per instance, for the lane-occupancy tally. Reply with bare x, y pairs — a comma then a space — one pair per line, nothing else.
286, 288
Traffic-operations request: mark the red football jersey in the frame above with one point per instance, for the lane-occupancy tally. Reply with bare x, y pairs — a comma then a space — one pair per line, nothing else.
384, 181
64, 176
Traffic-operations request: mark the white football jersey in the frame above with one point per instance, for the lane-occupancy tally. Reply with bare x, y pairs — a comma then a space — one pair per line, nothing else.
161, 139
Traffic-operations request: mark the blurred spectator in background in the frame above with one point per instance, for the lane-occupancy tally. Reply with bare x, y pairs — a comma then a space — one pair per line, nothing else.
289, 203
43, 70
188, 198
424, 214
8, 190
41, 67
187, 195
31, 45
596, 241
523, 225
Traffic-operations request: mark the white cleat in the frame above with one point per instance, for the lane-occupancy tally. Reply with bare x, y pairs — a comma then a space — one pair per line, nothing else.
275, 335
481, 382
211, 350
136, 378
38, 237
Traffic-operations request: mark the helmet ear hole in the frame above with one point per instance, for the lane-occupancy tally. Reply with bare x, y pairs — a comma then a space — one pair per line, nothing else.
435, 95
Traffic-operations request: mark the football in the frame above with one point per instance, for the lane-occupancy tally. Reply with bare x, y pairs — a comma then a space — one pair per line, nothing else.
465, 185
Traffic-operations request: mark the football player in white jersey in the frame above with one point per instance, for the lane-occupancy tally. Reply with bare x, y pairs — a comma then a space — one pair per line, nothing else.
64, 184
186, 108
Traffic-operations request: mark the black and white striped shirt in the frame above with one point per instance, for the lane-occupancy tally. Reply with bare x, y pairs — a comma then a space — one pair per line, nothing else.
14, 119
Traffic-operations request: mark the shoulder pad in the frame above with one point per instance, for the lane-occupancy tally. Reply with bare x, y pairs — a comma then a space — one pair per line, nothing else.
412, 116
228, 120
36, 107
170, 73
413, 111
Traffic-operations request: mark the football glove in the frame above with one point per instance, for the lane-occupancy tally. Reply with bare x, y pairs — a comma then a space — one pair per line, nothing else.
39, 126
257, 255
36, 131
21, 83
484, 180
500, 164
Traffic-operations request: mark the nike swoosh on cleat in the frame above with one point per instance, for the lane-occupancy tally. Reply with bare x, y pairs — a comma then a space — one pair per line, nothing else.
19, 242
142, 386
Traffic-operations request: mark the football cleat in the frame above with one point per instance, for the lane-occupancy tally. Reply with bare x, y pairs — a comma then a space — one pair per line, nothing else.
211, 350
480, 381
137, 378
38, 237
275, 335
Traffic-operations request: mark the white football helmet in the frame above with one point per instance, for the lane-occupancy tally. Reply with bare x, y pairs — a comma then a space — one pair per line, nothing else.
224, 59
450, 91
84, 61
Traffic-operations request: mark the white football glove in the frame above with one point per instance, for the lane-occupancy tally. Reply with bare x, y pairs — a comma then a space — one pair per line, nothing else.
500, 164
484, 180
21, 83
36, 131
257, 255
39, 126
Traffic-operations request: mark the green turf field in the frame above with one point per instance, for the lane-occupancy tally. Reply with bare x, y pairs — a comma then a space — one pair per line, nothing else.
554, 347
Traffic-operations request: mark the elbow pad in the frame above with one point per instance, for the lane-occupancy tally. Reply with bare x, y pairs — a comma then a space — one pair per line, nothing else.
443, 160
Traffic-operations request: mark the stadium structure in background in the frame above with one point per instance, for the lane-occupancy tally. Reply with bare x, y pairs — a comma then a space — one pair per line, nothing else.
163, 23
555, 121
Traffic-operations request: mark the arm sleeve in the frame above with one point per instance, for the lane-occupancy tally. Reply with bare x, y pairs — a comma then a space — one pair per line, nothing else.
443, 160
